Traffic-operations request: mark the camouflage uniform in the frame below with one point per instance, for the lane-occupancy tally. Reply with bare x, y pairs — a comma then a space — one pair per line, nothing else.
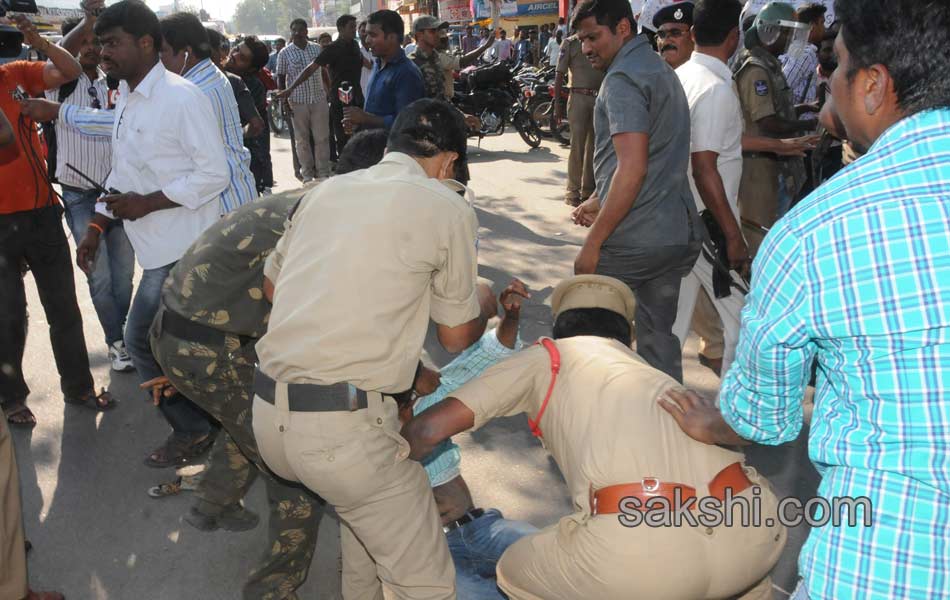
433, 73
217, 285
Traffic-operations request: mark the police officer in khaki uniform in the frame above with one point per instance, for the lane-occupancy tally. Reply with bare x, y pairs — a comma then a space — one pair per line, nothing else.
433, 59
583, 81
599, 417
368, 259
768, 182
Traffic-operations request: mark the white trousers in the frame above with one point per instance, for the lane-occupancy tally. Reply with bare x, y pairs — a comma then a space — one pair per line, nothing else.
729, 309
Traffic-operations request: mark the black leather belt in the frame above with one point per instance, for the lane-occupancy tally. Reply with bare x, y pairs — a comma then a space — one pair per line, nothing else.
310, 397
192, 331
465, 519
584, 91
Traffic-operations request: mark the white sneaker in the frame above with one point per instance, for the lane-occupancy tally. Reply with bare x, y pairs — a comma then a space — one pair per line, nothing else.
119, 357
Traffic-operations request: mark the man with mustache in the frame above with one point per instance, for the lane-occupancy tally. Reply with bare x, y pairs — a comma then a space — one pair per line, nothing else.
672, 24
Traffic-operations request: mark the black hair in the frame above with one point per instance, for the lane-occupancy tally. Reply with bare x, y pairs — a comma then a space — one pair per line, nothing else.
362, 151
68, 25
134, 18
389, 21
910, 38
810, 13
183, 29
606, 12
427, 127
279, 40
259, 53
215, 39
714, 20
600, 322
343, 21
299, 21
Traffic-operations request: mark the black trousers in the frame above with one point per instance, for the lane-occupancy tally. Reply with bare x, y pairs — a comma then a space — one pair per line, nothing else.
35, 238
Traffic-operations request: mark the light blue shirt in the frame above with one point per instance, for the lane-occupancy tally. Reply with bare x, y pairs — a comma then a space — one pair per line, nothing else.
215, 86
858, 275
442, 464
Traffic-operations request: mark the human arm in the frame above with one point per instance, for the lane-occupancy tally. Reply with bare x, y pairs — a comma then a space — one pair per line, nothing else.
558, 105
62, 66
779, 146
312, 68
88, 121
712, 192
759, 102
699, 418
511, 299
470, 58
632, 158
73, 40
458, 311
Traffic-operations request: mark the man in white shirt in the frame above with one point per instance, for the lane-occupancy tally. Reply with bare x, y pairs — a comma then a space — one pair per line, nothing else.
715, 159
110, 281
308, 103
168, 169
503, 49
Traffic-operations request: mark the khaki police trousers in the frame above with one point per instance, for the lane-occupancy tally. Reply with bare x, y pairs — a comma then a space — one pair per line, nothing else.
580, 161
358, 462
584, 557
12, 550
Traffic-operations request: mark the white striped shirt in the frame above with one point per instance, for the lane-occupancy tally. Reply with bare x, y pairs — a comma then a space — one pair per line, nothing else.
91, 155
215, 85
291, 61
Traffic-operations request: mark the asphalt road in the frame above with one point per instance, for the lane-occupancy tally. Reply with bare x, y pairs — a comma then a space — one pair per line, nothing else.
96, 534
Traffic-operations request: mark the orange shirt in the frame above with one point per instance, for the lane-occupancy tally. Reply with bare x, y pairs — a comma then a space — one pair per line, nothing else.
22, 187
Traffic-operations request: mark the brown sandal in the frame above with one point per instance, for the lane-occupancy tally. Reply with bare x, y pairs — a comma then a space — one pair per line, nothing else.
101, 402
179, 450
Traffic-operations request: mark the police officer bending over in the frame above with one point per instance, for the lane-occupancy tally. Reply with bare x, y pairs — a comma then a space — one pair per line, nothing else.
599, 417
368, 259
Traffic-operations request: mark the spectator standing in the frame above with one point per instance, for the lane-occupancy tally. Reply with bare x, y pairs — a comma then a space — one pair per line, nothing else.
801, 71
367, 58
110, 282
168, 124
31, 235
251, 121
584, 81
470, 41
544, 37
308, 104
279, 44
247, 60
503, 49
436, 64
525, 49
855, 276
409, 44
715, 161
345, 62
395, 82
645, 229
553, 48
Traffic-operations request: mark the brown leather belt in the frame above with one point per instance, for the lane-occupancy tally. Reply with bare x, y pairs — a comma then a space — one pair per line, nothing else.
606, 501
584, 91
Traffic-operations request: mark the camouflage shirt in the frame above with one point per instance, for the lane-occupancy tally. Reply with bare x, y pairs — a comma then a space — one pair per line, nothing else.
219, 280
432, 74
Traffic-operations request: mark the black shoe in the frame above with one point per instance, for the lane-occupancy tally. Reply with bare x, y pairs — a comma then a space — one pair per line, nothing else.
233, 518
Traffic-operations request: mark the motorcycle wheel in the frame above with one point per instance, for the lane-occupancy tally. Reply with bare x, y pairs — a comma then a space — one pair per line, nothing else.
561, 133
527, 129
541, 112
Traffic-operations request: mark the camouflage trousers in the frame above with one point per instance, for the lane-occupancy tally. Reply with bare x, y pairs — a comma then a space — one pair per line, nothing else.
219, 380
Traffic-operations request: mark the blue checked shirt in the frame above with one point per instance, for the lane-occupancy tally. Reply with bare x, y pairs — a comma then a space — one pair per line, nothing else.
442, 464
215, 85
858, 275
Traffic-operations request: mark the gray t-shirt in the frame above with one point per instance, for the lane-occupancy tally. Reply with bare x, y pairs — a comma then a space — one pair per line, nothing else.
642, 94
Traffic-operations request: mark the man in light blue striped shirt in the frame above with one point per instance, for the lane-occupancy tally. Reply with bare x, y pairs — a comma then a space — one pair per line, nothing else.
858, 276
185, 51
477, 538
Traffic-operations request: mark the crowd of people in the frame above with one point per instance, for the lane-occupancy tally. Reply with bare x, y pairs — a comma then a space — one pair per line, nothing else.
778, 186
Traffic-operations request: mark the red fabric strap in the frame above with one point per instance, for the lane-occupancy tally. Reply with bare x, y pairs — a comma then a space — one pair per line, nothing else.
549, 345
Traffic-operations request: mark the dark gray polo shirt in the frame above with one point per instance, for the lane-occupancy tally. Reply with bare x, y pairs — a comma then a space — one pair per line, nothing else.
642, 94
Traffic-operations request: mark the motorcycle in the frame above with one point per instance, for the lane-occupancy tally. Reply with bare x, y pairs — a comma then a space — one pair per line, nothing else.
493, 95
275, 113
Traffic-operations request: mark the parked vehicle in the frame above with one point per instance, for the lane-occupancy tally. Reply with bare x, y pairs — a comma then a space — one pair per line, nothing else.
491, 94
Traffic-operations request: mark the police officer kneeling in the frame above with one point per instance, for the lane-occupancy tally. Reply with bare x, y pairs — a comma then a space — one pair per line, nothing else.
367, 260
618, 449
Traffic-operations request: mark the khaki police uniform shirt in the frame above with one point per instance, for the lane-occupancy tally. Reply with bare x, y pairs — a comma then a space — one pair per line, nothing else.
572, 62
603, 425
763, 92
366, 261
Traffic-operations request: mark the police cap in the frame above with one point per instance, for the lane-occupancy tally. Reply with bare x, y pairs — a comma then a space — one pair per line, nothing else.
593, 291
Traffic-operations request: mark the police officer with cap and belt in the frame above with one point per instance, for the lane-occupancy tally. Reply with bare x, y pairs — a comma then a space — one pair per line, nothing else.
673, 39
594, 403
354, 285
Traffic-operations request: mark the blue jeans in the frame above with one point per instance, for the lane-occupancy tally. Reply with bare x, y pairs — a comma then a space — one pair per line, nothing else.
476, 548
800, 592
110, 283
183, 416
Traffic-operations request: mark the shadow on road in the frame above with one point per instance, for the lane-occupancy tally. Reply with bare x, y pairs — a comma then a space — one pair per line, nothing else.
529, 155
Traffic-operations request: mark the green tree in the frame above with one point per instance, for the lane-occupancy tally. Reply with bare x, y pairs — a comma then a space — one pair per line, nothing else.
269, 16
